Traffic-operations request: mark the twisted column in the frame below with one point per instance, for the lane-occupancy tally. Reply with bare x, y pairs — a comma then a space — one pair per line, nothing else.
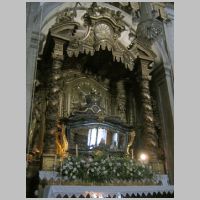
149, 136
53, 96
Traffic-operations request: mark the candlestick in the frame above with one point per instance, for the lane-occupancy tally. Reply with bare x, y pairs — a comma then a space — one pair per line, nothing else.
54, 168
54, 165
61, 167
61, 164
76, 150
132, 153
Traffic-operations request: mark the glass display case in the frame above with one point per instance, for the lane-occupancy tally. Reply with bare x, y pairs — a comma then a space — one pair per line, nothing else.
88, 137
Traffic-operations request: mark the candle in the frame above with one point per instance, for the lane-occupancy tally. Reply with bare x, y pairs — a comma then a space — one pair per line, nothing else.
76, 150
54, 168
61, 164
55, 160
132, 153
61, 167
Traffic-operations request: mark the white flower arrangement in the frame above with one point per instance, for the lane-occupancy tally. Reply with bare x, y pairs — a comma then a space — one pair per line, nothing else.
111, 170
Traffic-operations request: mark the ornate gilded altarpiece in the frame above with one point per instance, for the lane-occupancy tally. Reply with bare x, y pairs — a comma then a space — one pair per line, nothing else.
82, 99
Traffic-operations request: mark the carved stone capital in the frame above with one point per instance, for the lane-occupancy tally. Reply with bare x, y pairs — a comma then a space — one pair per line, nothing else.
149, 30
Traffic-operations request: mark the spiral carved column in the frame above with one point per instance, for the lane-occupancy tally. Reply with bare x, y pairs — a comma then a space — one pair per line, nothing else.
150, 138
53, 101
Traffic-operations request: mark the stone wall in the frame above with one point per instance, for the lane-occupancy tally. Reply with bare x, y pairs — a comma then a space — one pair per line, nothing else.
32, 37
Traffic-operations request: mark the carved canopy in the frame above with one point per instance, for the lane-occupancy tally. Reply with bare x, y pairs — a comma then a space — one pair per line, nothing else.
98, 28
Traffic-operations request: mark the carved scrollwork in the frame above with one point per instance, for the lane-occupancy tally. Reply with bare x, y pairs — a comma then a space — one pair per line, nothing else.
95, 11
128, 7
66, 15
102, 29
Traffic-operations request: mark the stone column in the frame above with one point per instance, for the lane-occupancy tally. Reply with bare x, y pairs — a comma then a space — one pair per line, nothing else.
145, 9
149, 135
53, 103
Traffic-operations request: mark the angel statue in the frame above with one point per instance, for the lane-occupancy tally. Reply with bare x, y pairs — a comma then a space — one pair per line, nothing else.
132, 135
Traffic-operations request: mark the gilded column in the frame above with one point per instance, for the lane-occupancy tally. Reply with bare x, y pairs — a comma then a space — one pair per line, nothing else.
149, 137
53, 100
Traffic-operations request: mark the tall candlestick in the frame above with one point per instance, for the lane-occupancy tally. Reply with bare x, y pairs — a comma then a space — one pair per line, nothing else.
54, 168
61, 166
55, 160
76, 150
132, 153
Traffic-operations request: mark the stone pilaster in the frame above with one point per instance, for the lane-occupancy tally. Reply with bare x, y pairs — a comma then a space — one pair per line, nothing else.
53, 96
149, 137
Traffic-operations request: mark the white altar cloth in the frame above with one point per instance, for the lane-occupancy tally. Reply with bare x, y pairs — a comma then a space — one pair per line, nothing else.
103, 191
